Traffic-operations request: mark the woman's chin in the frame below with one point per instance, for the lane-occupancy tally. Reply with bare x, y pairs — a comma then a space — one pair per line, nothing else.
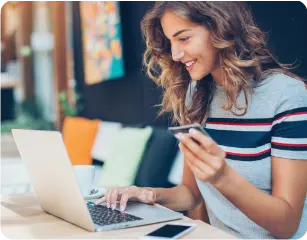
198, 76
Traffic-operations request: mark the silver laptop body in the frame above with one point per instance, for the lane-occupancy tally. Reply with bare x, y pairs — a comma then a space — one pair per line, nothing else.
56, 187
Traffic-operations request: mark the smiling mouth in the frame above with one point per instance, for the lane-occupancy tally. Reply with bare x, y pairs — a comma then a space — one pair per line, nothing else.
189, 65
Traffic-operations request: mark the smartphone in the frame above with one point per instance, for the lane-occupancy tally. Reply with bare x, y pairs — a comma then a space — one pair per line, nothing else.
185, 129
171, 231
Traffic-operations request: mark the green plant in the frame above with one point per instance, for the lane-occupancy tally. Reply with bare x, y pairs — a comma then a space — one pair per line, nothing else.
28, 116
26, 121
65, 105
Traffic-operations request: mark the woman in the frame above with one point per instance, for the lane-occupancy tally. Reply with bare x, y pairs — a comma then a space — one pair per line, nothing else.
213, 63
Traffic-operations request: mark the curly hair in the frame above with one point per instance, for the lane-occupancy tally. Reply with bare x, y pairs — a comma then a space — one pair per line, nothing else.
242, 53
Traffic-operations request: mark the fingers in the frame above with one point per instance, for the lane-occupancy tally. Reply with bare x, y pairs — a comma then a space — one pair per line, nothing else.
123, 201
196, 161
199, 153
197, 172
201, 166
101, 200
113, 198
110, 197
206, 159
129, 193
207, 143
184, 138
122, 194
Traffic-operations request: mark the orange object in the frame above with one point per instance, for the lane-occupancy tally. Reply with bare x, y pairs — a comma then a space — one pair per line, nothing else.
79, 135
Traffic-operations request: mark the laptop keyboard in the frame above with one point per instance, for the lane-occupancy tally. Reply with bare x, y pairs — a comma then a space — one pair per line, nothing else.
101, 215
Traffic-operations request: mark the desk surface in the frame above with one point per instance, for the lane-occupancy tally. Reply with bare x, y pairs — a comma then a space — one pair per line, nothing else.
22, 217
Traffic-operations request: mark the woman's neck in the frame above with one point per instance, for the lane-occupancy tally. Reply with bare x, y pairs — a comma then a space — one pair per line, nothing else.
217, 75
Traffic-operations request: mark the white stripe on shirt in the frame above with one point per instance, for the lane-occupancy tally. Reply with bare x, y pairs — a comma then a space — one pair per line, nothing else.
246, 150
289, 140
265, 128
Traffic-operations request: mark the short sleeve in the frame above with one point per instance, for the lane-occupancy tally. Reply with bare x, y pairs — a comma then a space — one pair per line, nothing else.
289, 128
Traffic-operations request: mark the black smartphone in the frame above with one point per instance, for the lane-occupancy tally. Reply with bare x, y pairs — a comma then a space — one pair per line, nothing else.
171, 231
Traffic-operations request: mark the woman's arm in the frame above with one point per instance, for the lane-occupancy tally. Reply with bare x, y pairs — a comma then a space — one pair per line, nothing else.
183, 197
279, 213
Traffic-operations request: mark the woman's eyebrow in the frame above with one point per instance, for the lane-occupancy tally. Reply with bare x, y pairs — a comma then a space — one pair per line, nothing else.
181, 31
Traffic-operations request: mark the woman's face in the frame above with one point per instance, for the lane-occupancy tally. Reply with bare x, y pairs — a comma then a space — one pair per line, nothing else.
191, 45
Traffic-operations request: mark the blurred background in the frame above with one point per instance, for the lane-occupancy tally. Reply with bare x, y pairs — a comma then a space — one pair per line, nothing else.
83, 61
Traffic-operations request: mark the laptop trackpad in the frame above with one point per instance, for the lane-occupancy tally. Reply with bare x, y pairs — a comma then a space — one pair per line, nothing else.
148, 211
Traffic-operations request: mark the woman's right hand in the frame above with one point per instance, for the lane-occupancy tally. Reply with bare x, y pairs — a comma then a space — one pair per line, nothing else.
123, 194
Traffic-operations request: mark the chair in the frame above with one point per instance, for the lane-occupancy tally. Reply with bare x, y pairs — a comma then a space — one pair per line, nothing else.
79, 136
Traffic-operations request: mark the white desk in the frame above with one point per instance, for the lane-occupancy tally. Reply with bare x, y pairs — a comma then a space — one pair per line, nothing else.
22, 217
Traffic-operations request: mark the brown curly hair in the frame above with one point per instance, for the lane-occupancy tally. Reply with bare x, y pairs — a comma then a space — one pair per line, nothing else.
243, 54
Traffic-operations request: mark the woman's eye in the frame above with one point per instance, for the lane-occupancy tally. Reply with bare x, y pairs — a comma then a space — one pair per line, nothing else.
183, 39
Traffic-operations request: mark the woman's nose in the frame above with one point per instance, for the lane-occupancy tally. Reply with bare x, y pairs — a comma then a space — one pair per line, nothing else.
177, 54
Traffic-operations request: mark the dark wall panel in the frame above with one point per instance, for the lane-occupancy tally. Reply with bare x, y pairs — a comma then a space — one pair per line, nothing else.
286, 25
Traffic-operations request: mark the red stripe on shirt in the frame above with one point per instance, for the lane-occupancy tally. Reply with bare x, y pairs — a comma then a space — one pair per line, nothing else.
291, 114
249, 154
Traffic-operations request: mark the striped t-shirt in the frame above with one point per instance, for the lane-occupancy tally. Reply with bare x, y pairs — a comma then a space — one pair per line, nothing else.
274, 125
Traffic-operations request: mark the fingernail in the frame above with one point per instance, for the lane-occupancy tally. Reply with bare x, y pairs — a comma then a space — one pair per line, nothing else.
192, 131
122, 208
113, 206
108, 205
179, 135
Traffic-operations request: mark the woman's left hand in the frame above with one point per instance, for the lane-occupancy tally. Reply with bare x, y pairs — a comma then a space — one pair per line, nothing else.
206, 160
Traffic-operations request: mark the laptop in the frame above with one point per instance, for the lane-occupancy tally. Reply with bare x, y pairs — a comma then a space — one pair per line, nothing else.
57, 190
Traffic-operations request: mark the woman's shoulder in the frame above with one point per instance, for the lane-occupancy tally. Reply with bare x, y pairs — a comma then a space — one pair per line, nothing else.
280, 81
281, 92
281, 84
292, 92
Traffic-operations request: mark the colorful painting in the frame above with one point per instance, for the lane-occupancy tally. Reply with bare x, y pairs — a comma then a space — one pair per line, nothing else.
102, 42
